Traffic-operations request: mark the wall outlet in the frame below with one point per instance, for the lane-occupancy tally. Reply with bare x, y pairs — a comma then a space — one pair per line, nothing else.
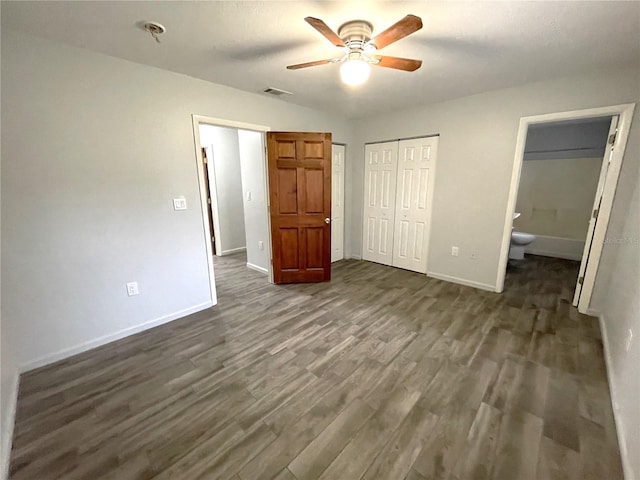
629, 338
132, 289
454, 251
248, 196
179, 203
261, 245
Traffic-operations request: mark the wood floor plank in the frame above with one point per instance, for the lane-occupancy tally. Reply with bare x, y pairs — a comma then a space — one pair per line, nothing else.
358, 454
380, 373
478, 461
557, 462
520, 384
313, 460
518, 446
444, 446
398, 455
561, 415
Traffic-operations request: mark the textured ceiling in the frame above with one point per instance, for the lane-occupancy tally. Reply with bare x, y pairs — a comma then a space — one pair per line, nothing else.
466, 47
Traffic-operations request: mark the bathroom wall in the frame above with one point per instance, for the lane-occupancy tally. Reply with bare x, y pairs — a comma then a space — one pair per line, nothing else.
558, 182
555, 199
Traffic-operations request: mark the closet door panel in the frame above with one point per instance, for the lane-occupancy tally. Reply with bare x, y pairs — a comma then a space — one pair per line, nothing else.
381, 164
416, 166
337, 202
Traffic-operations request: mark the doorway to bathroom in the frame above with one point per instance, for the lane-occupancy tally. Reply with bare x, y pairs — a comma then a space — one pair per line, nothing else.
564, 179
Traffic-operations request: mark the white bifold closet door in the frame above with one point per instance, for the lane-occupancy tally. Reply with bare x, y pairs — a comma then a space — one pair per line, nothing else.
381, 167
398, 199
337, 202
414, 196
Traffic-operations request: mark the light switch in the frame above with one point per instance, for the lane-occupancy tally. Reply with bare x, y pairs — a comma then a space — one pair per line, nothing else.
179, 203
248, 196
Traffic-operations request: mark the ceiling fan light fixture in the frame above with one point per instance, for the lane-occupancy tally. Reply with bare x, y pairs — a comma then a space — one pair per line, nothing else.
355, 71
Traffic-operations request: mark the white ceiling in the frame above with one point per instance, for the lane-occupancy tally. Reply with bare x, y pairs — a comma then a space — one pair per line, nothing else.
466, 47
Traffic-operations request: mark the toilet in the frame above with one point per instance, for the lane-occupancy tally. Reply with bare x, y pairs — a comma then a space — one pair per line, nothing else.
519, 240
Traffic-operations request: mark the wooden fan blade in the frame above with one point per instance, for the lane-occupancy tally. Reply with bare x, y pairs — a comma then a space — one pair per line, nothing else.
406, 64
398, 30
324, 29
308, 64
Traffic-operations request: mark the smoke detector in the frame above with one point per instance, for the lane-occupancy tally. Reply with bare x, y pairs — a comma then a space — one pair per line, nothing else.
155, 29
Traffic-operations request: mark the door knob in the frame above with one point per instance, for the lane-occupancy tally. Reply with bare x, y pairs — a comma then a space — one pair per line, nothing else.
327, 220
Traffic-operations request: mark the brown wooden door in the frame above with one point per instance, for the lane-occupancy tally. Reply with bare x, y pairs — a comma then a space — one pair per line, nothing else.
300, 205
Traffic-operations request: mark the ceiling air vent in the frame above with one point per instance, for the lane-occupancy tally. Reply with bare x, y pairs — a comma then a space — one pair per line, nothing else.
276, 91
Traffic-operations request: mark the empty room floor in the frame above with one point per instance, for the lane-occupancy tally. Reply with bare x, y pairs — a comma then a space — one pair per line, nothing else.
381, 374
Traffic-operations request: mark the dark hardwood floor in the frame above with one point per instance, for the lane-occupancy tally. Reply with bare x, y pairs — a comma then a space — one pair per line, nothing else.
379, 374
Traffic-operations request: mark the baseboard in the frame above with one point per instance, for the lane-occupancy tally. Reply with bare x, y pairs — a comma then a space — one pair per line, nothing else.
462, 281
7, 428
231, 251
83, 347
624, 455
556, 247
353, 257
257, 268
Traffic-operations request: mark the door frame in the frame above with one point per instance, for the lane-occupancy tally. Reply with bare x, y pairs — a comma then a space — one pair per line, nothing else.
625, 111
196, 121
595, 207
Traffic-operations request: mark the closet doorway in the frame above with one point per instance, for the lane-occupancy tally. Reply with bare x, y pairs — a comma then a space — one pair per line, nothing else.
398, 198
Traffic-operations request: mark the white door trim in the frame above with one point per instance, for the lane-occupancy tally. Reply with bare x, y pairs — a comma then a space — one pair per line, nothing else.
625, 112
202, 119
593, 220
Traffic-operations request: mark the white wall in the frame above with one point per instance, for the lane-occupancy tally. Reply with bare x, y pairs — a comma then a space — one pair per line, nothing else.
94, 150
475, 159
9, 391
8, 378
616, 298
90, 193
255, 210
555, 197
226, 184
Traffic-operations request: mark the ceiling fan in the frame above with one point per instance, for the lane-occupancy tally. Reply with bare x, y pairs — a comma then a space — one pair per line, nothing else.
360, 49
